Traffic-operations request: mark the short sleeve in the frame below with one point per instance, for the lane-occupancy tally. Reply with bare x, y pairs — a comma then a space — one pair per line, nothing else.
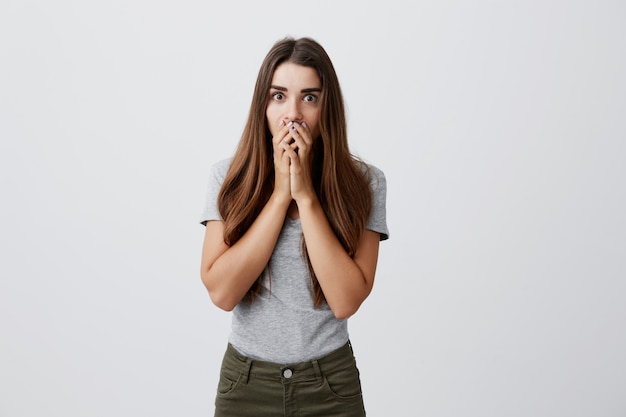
216, 178
377, 221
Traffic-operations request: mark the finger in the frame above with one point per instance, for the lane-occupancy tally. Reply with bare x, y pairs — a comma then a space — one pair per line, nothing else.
304, 132
289, 148
282, 134
298, 137
278, 153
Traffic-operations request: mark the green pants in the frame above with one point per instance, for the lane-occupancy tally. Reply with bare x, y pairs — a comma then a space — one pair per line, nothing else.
325, 387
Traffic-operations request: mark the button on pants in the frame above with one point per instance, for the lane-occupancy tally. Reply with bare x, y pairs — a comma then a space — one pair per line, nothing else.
325, 387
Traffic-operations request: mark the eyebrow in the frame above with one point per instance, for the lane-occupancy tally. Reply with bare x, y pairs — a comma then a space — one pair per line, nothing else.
304, 90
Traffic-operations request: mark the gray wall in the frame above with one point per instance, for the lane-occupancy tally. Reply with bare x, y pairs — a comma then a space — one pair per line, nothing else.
500, 126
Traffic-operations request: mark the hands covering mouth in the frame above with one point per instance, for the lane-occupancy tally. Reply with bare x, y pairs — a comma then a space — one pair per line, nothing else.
293, 159
293, 130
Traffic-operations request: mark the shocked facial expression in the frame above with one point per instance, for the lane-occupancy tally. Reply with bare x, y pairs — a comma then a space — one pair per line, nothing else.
294, 97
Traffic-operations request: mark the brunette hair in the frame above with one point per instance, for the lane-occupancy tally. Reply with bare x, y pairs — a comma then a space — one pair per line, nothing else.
340, 179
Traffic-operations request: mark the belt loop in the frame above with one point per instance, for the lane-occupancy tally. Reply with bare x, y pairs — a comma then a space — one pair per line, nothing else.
318, 370
247, 368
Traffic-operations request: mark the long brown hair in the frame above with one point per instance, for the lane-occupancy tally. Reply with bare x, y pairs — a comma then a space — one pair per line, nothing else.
340, 179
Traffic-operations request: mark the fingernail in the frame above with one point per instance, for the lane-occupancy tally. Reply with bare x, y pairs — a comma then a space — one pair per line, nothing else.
289, 124
304, 124
281, 124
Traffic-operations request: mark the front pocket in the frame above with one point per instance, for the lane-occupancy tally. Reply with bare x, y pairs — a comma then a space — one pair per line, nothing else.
229, 380
344, 383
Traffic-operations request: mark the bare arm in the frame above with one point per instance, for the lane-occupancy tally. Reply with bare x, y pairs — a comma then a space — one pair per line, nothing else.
228, 272
345, 281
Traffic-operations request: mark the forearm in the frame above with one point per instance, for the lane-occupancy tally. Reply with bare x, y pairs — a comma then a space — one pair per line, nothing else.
344, 283
233, 271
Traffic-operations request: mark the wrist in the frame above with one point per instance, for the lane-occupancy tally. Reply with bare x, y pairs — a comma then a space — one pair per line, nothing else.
280, 199
307, 201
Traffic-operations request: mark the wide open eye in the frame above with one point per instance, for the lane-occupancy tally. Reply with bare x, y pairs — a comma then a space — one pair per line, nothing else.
311, 98
278, 96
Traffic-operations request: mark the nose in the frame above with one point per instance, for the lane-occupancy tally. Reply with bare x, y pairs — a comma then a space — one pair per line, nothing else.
293, 112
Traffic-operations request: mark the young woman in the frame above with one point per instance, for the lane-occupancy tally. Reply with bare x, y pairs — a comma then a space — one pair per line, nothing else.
293, 223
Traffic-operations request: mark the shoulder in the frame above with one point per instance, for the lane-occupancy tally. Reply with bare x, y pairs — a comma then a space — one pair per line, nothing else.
369, 169
221, 166
374, 175
217, 173
376, 172
378, 184
219, 169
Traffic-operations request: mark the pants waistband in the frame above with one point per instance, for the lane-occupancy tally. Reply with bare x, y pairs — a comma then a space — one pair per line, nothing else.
309, 370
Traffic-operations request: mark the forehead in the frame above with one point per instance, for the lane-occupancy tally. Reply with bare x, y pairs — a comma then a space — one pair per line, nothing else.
295, 75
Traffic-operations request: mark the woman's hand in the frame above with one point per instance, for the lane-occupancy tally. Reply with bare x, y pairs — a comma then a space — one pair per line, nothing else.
297, 148
282, 183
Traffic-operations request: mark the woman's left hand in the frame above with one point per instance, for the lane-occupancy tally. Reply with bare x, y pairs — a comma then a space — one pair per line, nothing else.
301, 158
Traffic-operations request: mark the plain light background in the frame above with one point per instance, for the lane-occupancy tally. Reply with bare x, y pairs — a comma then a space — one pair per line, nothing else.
500, 126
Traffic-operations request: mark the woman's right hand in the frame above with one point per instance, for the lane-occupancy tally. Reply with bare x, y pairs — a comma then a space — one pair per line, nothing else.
282, 182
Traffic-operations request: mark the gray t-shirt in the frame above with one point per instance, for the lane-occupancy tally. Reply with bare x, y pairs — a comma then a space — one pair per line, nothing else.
281, 325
